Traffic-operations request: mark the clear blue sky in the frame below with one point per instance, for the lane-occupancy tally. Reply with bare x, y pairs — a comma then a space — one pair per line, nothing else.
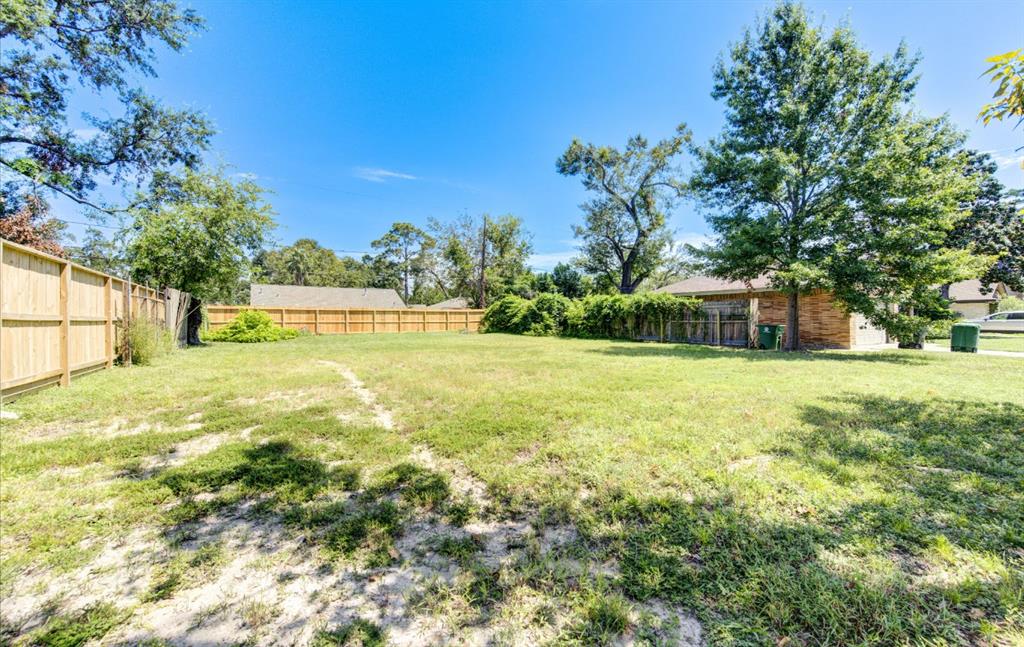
357, 115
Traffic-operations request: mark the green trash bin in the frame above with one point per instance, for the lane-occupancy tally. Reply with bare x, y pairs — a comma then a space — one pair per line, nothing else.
964, 338
770, 336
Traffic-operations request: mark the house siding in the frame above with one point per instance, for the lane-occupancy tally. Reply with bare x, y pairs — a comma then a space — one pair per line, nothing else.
823, 324
971, 310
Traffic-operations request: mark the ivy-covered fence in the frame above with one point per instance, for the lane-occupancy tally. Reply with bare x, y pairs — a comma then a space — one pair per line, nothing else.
616, 316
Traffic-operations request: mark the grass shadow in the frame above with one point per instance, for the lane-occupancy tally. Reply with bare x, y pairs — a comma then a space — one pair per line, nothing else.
950, 467
698, 352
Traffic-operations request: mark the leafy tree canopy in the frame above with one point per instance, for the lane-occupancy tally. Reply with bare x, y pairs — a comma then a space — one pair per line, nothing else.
31, 225
624, 235
197, 232
1007, 72
994, 225
405, 247
822, 177
306, 262
51, 45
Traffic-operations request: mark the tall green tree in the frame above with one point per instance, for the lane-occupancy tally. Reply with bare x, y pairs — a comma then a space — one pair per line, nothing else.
994, 225
501, 244
197, 232
624, 234
803, 184
405, 247
568, 281
307, 262
52, 46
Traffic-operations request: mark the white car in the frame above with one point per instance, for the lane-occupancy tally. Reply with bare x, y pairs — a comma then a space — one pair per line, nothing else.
1012, 321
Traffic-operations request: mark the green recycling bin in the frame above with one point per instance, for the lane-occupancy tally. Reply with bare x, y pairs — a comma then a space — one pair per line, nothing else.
770, 336
964, 338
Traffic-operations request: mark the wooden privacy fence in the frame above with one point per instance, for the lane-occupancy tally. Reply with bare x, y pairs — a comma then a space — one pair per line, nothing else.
716, 331
344, 321
57, 318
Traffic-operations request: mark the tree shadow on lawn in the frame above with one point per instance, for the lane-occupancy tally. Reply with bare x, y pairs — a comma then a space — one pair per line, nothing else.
934, 552
950, 467
699, 351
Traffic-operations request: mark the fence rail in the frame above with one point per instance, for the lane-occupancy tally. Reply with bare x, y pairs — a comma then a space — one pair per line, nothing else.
346, 321
57, 318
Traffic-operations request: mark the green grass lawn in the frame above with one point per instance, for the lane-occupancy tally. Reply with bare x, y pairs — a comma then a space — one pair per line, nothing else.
1002, 341
828, 498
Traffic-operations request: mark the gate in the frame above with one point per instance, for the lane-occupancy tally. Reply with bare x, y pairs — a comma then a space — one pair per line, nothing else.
720, 323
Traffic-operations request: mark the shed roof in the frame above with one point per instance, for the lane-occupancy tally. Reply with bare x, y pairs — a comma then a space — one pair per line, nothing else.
304, 296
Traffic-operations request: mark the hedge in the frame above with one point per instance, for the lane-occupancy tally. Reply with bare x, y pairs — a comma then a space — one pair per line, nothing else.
598, 315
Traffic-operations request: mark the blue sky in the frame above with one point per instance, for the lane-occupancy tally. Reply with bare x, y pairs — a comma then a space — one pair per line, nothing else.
357, 115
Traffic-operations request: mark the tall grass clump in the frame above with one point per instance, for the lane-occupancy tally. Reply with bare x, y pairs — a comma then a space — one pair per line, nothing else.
145, 340
598, 315
251, 326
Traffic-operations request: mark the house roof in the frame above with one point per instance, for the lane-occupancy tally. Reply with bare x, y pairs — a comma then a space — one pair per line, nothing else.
972, 291
697, 285
456, 303
304, 296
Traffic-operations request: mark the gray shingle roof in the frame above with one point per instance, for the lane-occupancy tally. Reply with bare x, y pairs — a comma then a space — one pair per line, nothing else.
456, 303
971, 290
303, 296
710, 285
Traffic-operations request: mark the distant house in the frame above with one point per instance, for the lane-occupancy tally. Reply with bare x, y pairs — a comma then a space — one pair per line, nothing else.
304, 296
456, 303
971, 301
823, 324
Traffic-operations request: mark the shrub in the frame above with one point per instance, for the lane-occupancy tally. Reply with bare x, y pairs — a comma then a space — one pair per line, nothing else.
146, 340
597, 315
251, 326
1010, 303
544, 315
941, 329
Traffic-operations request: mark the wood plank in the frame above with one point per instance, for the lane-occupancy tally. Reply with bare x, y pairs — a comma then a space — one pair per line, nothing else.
65, 325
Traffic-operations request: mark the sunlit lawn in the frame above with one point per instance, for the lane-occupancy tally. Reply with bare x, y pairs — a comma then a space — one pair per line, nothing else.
828, 498
1002, 341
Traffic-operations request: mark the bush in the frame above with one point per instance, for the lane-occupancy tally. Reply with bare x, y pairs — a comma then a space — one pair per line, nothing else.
146, 339
597, 315
544, 315
1007, 304
941, 329
251, 326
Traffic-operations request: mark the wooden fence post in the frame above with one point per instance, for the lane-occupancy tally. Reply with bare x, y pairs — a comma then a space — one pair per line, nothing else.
346, 321
316, 320
466, 312
108, 313
126, 320
282, 317
447, 325
718, 327
373, 321
65, 324
424, 313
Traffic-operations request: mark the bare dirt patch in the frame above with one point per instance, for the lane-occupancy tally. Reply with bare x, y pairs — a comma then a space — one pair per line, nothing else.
474, 583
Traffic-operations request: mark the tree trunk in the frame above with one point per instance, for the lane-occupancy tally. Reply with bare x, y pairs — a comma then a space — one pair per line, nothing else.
626, 284
195, 320
793, 321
